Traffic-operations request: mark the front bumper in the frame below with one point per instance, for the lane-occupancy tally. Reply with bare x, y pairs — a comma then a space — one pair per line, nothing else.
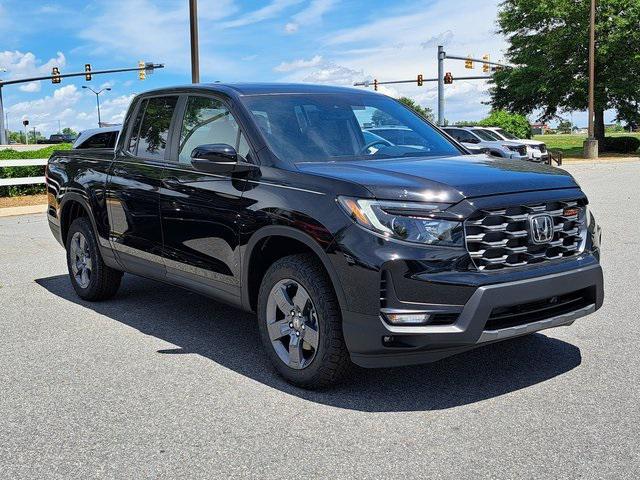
372, 342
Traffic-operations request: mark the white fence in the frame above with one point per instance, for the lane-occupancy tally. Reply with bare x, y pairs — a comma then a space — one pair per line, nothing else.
32, 162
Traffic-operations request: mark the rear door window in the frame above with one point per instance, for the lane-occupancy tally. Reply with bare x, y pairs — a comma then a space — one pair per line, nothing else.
154, 129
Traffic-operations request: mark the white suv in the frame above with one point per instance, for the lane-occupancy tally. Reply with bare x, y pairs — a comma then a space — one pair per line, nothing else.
537, 151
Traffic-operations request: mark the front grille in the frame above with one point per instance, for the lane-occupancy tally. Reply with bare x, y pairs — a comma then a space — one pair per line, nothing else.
515, 315
500, 238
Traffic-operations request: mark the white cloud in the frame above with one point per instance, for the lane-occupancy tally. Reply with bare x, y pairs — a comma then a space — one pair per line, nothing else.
25, 65
298, 64
30, 87
310, 15
443, 39
145, 30
44, 113
265, 13
333, 74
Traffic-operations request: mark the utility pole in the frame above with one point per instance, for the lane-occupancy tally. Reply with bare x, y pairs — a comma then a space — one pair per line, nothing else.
441, 56
98, 100
195, 56
3, 132
590, 146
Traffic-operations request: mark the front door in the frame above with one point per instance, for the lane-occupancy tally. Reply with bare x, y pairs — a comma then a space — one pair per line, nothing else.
199, 210
133, 188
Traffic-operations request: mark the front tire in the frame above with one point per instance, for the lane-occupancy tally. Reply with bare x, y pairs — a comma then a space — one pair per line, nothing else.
300, 323
90, 277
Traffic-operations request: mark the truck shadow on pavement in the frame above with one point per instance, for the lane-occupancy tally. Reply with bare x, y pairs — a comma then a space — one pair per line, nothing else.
228, 336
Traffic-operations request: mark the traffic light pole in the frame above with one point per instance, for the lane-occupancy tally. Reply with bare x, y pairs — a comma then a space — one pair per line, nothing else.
442, 79
3, 137
441, 56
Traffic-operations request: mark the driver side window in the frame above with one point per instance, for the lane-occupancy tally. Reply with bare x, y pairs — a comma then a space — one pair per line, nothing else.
206, 121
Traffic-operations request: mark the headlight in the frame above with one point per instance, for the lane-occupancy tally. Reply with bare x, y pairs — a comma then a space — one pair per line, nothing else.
409, 221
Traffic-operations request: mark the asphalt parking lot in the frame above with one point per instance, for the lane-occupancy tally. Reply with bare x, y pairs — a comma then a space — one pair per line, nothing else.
163, 383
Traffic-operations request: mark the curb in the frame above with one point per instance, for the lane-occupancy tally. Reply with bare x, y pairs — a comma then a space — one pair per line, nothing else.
25, 210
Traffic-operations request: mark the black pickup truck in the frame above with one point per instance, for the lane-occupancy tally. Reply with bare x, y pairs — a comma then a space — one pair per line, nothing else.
278, 199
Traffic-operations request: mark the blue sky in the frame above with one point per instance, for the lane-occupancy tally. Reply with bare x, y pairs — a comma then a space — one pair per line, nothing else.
323, 41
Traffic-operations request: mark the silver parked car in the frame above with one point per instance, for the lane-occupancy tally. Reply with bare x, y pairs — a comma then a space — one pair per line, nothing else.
480, 138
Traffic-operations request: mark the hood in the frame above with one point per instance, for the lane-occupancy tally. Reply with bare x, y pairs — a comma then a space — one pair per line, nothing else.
530, 142
445, 179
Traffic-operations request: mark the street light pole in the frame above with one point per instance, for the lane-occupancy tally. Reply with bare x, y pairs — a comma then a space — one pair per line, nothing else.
98, 100
3, 132
591, 143
441, 56
195, 56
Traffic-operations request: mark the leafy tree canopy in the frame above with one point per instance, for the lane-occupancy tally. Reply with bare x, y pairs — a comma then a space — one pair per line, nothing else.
549, 42
513, 123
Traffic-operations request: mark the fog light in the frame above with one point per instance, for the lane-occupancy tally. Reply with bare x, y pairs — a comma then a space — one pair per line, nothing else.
407, 318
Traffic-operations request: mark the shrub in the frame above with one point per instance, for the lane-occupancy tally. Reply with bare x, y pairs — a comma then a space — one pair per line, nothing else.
513, 123
16, 172
621, 144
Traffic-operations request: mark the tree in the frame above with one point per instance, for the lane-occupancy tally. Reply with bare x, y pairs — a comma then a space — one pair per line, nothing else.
565, 126
426, 112
69, 131
513, 123
549, 47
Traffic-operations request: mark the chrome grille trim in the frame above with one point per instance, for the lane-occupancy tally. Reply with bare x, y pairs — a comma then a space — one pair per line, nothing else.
499, 238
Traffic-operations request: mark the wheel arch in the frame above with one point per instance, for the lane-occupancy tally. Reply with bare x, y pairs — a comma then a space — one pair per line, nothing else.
251, 279
72, 206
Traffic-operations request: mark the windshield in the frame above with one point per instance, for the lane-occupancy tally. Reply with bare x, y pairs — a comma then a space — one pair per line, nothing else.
506, 134
492, 134
484, 135
329, 127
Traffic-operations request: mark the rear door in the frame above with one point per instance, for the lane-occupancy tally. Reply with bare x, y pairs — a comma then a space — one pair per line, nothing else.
134, 184
200, 211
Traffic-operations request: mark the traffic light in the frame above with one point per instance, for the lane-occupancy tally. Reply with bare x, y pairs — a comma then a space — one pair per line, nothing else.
87, 69
448, 78
142, 73
420, 80
55, 73
468, 63
375, 84
485, 66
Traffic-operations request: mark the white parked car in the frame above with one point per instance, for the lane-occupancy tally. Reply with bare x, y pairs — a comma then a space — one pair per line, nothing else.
537, 151
104, 137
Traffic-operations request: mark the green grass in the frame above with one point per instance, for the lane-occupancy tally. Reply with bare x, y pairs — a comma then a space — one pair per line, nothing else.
571, 145
15, 172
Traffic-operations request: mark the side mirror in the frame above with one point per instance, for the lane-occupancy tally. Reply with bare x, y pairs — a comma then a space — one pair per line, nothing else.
473, 140
218, 158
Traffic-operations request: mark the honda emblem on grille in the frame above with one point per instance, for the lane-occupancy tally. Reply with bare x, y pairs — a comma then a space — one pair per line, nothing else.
541, 230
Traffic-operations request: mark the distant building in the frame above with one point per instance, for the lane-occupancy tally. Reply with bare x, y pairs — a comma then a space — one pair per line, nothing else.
540, 128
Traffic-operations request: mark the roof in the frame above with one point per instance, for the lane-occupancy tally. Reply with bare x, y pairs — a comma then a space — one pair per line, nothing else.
270, 88
263, 88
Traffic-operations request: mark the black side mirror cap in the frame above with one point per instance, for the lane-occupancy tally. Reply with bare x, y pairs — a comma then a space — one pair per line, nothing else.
218, 158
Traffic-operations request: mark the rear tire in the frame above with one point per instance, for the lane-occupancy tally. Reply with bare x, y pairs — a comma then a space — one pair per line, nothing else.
91, 278
300, 323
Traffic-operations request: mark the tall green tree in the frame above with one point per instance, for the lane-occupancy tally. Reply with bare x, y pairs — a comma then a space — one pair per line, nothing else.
380, 118
426, 112
549, 42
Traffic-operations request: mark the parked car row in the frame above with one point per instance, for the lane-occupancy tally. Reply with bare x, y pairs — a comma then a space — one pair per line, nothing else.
498, 142
491, 140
